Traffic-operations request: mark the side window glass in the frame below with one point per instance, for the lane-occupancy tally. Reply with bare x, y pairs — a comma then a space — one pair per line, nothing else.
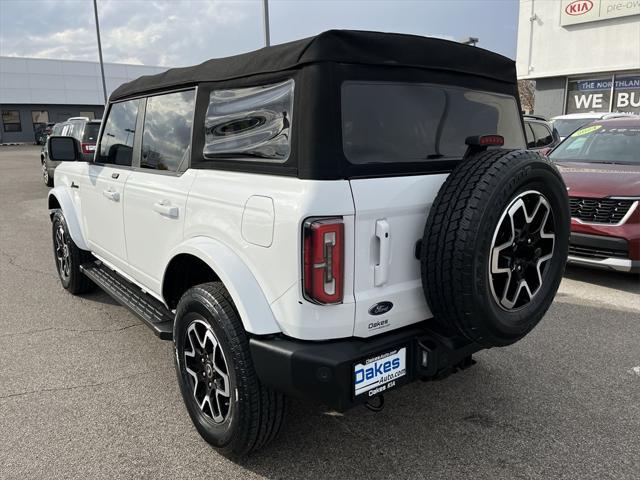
116, 144
166, 134
77, 129
250, 123
531, 141
542, 134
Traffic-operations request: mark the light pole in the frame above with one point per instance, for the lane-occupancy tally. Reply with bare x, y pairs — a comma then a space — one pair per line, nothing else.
471, 41
104, 84
265, 17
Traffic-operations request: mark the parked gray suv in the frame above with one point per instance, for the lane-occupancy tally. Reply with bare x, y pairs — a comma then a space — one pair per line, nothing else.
81, 128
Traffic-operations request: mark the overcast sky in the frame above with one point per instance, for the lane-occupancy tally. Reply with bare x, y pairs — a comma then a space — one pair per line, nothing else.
177, 33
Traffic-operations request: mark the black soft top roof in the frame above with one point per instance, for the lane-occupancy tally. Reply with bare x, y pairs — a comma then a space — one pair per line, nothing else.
343, 46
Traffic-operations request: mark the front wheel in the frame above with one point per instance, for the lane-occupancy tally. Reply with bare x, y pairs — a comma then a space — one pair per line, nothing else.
69, 257
224, 398
46, 178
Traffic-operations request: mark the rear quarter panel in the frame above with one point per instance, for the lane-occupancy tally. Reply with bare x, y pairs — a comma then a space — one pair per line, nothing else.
216, 208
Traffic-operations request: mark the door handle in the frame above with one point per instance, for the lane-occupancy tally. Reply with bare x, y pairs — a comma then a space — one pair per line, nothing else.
165, 208
112, 195
381, 270
74, 185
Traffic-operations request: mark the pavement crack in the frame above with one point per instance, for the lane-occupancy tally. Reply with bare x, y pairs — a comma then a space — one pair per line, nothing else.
76, 387
11, 260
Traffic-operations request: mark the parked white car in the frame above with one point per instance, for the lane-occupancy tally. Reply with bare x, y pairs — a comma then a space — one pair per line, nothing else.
329, 218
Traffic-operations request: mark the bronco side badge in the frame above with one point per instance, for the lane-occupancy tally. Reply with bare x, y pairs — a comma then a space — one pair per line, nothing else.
380, 308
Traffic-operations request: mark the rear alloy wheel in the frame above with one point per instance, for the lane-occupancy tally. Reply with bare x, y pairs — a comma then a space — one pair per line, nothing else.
495, 246
228, 405
205, 363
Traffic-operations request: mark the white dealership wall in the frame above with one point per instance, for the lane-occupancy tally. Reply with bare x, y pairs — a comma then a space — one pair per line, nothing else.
36, 84
555, 48
548, 49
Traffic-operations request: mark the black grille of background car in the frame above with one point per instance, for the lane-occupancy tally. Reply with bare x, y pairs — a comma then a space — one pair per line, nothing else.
593, 252
599, 210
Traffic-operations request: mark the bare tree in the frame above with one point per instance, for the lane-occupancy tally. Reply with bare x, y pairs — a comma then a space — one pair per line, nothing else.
527, 89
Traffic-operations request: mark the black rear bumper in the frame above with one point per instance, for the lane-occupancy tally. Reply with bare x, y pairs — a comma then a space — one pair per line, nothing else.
324, 371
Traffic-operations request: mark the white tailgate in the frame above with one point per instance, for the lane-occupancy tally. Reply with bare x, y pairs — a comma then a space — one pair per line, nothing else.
386, 269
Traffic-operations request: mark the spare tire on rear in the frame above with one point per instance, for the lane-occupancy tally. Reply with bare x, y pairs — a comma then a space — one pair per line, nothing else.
495, 245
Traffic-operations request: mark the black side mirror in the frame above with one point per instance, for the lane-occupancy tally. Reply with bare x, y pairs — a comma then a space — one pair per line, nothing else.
63, 149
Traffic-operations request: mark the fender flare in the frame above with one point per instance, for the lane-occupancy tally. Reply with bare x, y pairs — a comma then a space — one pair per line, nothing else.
63, 197
249, 299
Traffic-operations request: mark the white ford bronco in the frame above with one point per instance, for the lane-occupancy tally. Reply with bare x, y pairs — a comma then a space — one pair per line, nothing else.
329, 218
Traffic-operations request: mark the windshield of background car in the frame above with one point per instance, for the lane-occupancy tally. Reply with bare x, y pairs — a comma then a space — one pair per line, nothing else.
393, 122
566, 126
601, 144
91, 130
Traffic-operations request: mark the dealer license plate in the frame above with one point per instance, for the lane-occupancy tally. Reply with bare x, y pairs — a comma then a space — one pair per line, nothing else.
379, 373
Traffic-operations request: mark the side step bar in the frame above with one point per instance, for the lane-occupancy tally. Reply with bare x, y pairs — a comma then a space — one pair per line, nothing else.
151, 311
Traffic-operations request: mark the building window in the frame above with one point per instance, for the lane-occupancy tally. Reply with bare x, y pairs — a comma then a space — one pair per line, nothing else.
589, 95
11, 120
39, 116
626, 93
594, 94
89, 115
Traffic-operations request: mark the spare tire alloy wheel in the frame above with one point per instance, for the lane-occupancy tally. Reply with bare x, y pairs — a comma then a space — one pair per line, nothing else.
206, 364
495, 246
522, 245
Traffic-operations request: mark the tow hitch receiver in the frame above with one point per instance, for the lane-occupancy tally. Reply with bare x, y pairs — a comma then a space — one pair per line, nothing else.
354, 371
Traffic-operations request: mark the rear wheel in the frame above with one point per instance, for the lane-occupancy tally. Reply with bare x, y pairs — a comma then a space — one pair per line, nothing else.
224, 398
495, 245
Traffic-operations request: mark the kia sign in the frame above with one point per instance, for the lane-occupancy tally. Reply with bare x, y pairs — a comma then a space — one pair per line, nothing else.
594, 95
579, 7
582, 11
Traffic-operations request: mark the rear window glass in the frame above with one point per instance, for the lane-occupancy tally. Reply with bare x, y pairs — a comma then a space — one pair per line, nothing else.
90, 134
250, 123
413, 122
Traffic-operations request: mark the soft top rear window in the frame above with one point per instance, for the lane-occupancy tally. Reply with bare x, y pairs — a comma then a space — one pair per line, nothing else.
91, 130
395, 122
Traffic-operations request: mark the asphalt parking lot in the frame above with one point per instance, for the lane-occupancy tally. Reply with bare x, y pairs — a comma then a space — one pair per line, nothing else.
87, 391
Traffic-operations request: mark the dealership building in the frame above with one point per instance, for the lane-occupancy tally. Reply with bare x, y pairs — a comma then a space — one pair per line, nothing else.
34, 92
584, 55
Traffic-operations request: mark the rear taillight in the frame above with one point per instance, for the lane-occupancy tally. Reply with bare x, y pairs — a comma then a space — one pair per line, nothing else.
88, 147
544, 151
323, 256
